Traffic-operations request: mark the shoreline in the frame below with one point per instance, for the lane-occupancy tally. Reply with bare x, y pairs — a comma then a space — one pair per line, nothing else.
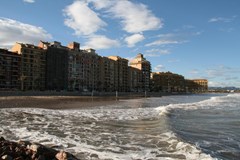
55, 102
62, 100
69, 100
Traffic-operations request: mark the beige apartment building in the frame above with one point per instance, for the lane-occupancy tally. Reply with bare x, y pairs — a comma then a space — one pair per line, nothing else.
202, 84
140, 63
33, 60
121, 73
109, 72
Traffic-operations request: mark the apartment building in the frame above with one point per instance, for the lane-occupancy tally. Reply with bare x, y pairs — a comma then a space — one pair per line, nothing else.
56, 65
9, 70
33, 60
202, 84
139, 62
196, 85
90, 70
75, 73
109, 74
121, 73
167, 82
134, 79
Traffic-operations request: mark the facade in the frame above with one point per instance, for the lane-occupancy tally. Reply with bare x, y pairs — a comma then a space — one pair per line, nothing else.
202, 84
52, 66
109, 74
140, 63
121, 73
167, 82
134, 77
10, 63
56, 65
74, 67
33, 60
197, 85
91, 70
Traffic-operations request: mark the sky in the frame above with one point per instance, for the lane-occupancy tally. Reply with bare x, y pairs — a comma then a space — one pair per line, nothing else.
194, 38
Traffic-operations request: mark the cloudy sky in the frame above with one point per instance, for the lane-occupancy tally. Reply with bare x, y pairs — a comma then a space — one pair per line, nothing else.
197, 39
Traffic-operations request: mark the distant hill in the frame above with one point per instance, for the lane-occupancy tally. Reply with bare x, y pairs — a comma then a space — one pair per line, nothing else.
223, 88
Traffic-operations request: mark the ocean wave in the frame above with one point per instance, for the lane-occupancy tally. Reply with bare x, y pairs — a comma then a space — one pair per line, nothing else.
105, 133
211, 102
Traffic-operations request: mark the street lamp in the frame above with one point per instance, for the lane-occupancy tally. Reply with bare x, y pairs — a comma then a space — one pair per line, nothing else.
22, 78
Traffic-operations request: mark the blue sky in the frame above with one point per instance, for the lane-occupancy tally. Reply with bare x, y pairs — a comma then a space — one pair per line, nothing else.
197, 39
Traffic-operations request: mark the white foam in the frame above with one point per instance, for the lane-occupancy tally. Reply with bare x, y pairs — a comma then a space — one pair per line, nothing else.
213, 101
93, 131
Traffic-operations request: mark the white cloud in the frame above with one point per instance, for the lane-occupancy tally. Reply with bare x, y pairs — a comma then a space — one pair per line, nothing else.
82, 19
223, 84
220, 76
29, 1
160, 51
222, 71
162, 42
133, 39
12, 31
221, 19
159, 68
170, 38
151, 55
101, 42
135, 17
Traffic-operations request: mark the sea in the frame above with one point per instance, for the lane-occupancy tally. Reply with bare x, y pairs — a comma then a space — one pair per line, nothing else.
191, 127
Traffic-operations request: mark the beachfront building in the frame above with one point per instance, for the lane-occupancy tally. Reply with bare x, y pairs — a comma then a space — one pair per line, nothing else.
75, 72
33, 60
202, 84
167, 82
121, 73
196, 85
140, 63
108, 74
9, 70
134, 77
56, 65
91, 70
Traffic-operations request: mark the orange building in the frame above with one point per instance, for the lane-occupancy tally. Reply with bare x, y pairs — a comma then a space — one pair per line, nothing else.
121, 73
202, 84
33, 60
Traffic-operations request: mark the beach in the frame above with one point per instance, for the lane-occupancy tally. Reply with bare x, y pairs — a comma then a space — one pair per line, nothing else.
55, 102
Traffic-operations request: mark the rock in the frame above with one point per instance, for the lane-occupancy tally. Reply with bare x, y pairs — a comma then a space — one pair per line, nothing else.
33, 147
2, 139
61, 155
24, 150
7, 157
41, 157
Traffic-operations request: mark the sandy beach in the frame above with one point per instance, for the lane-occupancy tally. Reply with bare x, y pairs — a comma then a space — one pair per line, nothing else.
55, 102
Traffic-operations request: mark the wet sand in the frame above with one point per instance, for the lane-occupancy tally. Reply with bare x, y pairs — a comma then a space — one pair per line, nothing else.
55, 102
